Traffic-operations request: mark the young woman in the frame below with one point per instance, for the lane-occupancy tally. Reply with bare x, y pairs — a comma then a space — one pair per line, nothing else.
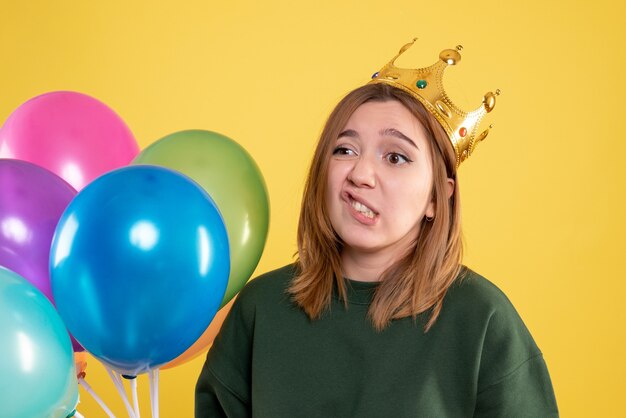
377, 317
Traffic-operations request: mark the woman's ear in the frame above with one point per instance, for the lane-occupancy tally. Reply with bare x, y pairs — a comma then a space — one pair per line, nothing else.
430, 209
450, 187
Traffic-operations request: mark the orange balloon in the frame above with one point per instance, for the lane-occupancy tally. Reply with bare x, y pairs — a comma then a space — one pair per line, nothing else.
80, 360
205, 341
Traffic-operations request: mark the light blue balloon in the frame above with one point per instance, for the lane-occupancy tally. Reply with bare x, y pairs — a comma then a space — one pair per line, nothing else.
37, 373
139, 266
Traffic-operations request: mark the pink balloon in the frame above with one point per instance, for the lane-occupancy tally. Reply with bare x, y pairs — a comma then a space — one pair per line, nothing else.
71, 134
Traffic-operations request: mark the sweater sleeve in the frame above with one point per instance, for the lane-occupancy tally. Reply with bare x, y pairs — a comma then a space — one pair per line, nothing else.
223, 388
526, 392
216, 400
513, 380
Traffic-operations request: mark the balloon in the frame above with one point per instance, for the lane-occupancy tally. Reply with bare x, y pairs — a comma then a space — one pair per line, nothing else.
37, 377
32, 200
139, 265
229, 174
205, 340
80, 362
71, 134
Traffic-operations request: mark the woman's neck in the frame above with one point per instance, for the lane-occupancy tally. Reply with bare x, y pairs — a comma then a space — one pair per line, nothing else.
364, 267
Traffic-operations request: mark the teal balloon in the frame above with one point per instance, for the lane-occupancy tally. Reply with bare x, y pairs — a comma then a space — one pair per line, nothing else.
229, 174
37, 373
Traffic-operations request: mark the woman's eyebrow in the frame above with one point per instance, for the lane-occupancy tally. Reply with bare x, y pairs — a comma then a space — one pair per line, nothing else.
396, 133
351, 133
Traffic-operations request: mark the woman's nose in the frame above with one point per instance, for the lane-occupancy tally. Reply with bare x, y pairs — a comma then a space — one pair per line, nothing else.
363, 173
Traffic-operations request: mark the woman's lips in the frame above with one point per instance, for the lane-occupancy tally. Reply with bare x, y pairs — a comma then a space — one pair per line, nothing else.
360, 209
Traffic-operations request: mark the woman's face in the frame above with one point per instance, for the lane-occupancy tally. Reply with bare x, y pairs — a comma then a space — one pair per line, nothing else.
379, 180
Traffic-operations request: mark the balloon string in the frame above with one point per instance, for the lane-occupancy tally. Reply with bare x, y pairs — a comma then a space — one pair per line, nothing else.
133, 387
151, 385
93, 394
120, 389
154, 392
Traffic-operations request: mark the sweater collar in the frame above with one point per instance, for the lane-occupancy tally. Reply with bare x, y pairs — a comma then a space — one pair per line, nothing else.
360, 293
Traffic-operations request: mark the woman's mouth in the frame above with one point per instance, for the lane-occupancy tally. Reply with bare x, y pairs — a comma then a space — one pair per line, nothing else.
361, 208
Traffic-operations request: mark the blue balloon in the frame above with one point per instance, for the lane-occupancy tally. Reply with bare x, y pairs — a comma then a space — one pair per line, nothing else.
139, 265
37, 374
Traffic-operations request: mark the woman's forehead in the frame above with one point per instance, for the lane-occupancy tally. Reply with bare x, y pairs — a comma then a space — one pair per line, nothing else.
384, 119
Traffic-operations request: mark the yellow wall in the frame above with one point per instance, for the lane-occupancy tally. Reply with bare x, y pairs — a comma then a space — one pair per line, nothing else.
543, 198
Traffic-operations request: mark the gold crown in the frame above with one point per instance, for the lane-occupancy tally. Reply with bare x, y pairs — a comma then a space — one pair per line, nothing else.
426, 85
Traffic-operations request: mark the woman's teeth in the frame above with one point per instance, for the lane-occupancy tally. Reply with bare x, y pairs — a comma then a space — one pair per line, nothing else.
363, 209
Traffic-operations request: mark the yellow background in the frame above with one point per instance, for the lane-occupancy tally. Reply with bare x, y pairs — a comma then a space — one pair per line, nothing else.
543, 197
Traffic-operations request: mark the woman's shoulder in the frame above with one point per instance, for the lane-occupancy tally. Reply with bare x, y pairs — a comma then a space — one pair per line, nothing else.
484, 308
270, 285
475, 291
477, 300
265, 293
512, 373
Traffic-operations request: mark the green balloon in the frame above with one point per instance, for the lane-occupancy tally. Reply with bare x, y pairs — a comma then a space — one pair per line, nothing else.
233, 180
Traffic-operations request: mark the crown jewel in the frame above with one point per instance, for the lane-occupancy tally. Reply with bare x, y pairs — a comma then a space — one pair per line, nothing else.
426, 85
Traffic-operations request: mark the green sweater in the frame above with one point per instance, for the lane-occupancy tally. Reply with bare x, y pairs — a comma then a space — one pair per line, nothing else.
271, 361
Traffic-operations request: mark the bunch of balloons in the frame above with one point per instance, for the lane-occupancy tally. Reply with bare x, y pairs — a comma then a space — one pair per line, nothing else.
137, 251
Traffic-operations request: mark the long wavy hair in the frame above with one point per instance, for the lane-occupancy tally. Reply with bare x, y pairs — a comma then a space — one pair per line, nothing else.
419, 280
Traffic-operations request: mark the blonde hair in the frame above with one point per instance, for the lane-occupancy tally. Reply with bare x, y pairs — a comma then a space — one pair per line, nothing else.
420, 279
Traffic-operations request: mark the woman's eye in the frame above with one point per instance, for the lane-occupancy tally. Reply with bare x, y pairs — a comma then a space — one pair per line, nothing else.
397, 159
343, 151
